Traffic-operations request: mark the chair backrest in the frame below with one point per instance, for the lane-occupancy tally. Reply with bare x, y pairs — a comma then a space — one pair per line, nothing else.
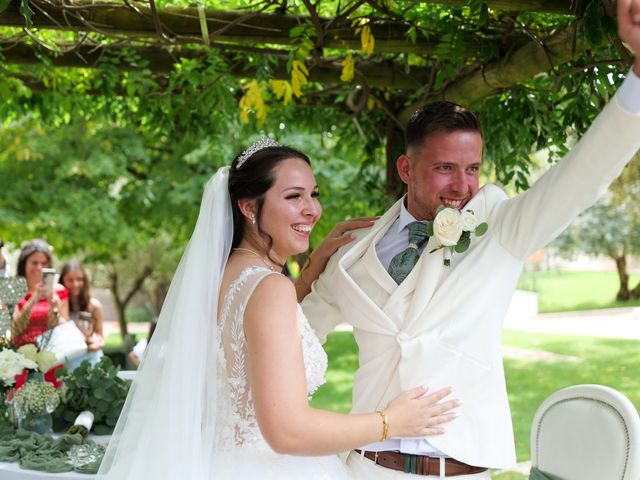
587, 432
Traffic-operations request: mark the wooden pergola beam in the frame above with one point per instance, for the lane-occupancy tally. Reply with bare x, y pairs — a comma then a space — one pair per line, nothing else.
160, 59
528, 61
567, 7
183, 24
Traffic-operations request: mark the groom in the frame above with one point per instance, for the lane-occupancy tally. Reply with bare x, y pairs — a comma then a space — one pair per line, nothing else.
441, 325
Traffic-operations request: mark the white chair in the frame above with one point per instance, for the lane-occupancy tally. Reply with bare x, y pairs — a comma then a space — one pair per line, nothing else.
587, 432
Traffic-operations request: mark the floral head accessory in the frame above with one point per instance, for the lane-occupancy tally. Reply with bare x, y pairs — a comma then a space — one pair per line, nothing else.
264, 142
452, 229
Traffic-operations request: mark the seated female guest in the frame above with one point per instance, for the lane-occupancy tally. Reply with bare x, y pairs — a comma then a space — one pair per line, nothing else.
41, 308
85, 310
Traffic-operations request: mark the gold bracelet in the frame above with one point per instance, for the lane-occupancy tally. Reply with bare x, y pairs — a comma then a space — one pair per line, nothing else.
385, 425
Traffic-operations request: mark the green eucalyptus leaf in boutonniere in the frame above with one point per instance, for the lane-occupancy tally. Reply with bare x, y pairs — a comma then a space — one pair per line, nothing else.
452, 230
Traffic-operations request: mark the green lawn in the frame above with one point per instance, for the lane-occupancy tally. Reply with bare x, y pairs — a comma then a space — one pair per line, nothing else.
560, 291
609, 362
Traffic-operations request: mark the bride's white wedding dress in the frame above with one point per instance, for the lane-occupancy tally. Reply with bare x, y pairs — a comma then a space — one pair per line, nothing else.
241, 452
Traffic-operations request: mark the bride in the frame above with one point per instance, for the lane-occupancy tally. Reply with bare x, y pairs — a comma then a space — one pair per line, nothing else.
223, 391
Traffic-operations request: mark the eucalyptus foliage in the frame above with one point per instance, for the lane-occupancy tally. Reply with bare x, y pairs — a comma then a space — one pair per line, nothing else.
94, 388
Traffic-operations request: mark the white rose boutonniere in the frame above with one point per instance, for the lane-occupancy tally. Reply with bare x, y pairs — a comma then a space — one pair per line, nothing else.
452, 229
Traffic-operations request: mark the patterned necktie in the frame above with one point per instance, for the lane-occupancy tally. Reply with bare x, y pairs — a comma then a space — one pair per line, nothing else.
402, 264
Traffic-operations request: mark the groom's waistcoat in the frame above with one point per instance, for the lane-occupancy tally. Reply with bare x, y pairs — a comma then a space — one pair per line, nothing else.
442, 325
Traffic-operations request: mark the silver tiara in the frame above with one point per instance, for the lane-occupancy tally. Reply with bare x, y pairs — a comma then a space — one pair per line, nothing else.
264, 142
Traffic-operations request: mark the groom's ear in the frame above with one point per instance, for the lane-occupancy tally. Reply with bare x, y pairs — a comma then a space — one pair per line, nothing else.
247, 207
403, 164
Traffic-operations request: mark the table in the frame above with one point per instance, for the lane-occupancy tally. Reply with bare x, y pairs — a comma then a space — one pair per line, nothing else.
12, 471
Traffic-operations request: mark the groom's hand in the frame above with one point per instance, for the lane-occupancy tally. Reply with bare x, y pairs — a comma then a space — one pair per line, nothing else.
629, 27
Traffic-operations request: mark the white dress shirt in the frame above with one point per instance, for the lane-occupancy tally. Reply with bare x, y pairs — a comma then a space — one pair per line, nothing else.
396, 239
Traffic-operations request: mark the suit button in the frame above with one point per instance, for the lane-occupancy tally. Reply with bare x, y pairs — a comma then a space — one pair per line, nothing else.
402, 337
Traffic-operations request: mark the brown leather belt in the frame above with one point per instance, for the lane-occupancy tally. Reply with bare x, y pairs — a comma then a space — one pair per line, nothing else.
420, 464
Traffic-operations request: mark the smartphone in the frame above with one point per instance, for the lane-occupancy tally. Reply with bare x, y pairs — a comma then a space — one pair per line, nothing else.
48, 277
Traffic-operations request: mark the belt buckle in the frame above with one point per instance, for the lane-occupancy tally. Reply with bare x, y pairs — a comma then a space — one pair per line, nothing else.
375, 457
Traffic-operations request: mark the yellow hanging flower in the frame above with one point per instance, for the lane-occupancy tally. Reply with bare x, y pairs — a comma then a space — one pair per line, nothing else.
366, 40
282, 90
299, 74
348, 68
252, 101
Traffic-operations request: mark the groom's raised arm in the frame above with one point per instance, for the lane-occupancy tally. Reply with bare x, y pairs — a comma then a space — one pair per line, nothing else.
533, 219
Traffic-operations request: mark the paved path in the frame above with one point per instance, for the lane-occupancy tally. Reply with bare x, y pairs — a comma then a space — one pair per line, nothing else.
609, 323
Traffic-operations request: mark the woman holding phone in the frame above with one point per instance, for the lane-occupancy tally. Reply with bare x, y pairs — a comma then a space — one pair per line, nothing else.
45, 305
85, 310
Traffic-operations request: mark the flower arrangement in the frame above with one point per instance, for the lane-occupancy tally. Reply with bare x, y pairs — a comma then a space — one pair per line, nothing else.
28, 376
36, 397
452, 229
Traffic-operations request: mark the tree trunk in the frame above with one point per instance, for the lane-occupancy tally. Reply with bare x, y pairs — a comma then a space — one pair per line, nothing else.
123, 302
635, 293
158, 294
394, 148
623, 292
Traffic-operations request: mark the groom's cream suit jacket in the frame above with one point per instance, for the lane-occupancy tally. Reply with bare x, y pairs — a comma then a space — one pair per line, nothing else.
442, 325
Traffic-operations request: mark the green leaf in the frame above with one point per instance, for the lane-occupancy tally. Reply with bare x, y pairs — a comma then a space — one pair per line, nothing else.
481, 229
411, 34
5, 3
26, 12
102, 430
429, 227
462, 245
483, 17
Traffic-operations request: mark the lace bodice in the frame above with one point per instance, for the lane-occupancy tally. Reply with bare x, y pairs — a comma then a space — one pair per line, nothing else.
236, 419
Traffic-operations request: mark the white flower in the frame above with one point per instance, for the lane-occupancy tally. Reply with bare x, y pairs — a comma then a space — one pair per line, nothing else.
12, 364
46, 360
447, 227
29, 350
468, 221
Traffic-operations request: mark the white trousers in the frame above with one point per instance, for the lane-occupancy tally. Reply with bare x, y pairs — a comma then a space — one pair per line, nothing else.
364, 469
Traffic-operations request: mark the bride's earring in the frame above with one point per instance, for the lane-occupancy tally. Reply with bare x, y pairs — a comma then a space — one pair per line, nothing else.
253, 218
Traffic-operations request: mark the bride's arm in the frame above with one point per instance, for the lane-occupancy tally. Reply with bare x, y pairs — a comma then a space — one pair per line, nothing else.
317, 260
278, 384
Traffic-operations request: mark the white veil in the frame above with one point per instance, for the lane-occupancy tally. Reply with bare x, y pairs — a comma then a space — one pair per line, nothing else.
167, 426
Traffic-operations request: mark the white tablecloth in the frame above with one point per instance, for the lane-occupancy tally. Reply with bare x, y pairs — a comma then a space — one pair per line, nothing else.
12, 471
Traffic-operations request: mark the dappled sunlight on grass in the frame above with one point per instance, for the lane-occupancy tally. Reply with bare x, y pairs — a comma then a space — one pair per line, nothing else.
610, 362
614, 363
560, 290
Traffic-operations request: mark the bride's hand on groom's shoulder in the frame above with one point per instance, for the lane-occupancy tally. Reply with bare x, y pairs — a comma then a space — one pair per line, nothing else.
419, 412
341, 235
317, 260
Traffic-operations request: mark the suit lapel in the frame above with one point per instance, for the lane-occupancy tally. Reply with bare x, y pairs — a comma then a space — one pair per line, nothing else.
427, 273
344, 283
